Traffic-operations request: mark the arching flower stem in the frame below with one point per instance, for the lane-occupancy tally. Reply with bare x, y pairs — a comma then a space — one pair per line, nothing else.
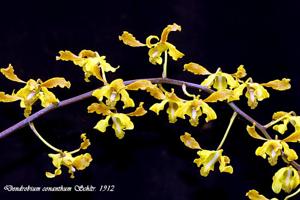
86, 95
32, 127
227, 130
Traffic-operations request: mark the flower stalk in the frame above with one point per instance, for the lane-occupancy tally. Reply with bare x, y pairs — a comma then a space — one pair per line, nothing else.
227, 130
32, 127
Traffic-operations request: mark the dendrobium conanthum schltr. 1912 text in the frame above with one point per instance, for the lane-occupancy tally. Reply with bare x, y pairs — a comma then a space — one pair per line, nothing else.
116, 109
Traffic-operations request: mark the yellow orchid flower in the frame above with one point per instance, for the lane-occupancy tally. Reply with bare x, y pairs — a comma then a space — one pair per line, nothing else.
174, 103
286, 179
114, 92
155, 49
72, 163
120, 121
208, 160
256, 92
194, 109
274, 148
32, 91
220, 80
65, 158
91, 62
286, 118
254, 195
229, 86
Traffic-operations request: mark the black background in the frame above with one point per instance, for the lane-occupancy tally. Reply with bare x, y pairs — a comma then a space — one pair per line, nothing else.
150, 162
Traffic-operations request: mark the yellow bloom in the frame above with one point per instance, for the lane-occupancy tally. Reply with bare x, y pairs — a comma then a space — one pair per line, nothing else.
33, 90
91, 62
174, 103
287, 179
72, 163
209, 158
274, 148
194, 109
220, 81
286, 118
120, 121
155, 49
114, 92
65, 158
254, 195
256, 92
189, 141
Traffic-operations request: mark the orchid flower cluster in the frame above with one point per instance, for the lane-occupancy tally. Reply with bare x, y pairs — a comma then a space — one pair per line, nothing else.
117, 109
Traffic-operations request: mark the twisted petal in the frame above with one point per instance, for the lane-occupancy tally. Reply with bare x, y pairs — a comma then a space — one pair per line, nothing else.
196, 69
254, 195
149, 39
9, 73
210, 113
148, 86
294, 137
128, 39
252, 132
167, 30
230, 80
104, 91
47, 98
68, 56
224, 161
189, 141
57, 81
219, 95
7, 97
237, 92
173, 52
99, 108
241, 72
287, 179
139, 111
85, 142
128, 102
57, 172
290, 153
280, 85
106, 66
209, 80
157, 107
102, 124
